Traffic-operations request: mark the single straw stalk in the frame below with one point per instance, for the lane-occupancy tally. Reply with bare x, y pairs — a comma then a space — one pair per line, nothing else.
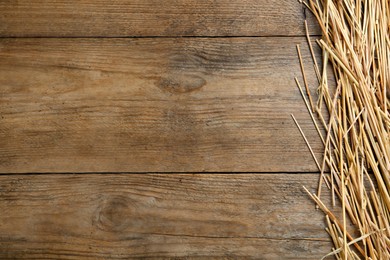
356, 43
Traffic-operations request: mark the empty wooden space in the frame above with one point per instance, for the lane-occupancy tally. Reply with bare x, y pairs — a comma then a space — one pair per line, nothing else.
165, 215
152, 105
122, 18
115, 131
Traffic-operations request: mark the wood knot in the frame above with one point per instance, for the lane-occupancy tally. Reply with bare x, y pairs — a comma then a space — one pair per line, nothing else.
181, 83
112, 214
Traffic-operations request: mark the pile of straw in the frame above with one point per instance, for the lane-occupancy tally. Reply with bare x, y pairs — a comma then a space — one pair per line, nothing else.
356, 163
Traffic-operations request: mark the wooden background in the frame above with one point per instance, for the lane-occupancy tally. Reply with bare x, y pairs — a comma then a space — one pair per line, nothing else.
156, 129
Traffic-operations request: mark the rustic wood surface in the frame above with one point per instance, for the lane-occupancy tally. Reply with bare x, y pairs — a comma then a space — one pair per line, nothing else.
263, 216
112, 87
97, 18
153, 105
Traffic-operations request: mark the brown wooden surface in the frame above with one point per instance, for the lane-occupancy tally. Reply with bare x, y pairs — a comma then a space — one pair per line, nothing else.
81, 100
153, 105
91, 18
160, 215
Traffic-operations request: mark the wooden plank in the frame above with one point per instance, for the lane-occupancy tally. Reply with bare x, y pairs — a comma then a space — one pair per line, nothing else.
97, 18
230, 216
153, 105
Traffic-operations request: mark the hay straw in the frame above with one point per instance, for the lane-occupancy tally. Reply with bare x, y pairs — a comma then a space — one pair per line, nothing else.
356, 44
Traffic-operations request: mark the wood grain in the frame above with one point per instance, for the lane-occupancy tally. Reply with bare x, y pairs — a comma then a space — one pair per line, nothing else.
100, 18
153, 105
163, 104
112, 216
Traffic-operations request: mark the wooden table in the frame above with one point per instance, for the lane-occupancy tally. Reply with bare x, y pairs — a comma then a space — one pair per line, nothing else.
156, 129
